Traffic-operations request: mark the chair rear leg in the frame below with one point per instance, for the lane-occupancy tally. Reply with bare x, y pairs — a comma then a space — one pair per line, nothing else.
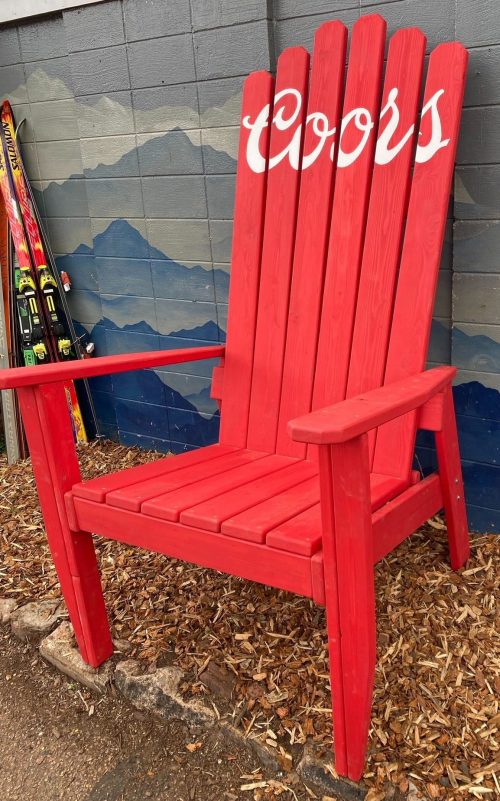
350, 598
450, 471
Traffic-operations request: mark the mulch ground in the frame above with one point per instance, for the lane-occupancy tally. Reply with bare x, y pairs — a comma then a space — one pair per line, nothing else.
436, 714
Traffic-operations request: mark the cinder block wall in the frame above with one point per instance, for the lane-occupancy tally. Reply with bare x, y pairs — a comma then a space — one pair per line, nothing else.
130, 138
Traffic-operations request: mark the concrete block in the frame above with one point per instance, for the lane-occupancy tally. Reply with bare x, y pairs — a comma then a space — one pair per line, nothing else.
483, 77
30, 160
146, 20
97, 25
174, 196
224, 52
110, 156
173, 153
285, 9
36, 619
477, 23
105, 115
59, 160
222, 310
440, 341
476, 246
115, 197
188, 280
476, 192
475, 298
442, 305
118, 238
67, 234
483, 148
124, 276
220, 102
22, 113
163, 108
54, 120
175, 316
219, 13
436, 20
220, 149
221, 232
100, 71
10, 51
68, 198
301, 30
43, 38
49, 80
166, 60
129, 310
7, 607
85, 306
12, 81
220, 196
61, 650
184, 240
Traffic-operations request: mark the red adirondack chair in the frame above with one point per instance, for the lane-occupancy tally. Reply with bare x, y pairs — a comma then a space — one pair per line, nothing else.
340, 215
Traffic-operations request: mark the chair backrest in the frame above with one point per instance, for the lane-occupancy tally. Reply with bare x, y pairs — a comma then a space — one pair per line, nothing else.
341, 201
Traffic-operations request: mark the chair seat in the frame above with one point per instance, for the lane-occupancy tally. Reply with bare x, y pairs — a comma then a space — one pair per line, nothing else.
242, 493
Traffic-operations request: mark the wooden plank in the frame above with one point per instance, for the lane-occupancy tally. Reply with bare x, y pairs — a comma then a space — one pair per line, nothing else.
169, 505
245, 271
103, 365
277, 249
350, 204
387, 210
302, 533
355, 416
131, 497
210, 514
423, 240
254, 523
313, 224
96, 489
399, 518
247, 560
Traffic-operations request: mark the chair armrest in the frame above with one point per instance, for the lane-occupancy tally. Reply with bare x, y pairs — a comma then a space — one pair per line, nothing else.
102, 365
350, 418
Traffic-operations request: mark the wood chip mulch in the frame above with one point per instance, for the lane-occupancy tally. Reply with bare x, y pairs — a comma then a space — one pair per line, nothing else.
436, 714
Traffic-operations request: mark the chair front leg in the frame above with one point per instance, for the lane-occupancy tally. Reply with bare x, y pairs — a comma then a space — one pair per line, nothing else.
350, 596
50, 439
450, 473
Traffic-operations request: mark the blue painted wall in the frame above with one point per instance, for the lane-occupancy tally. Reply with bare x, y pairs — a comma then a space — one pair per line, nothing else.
130, 140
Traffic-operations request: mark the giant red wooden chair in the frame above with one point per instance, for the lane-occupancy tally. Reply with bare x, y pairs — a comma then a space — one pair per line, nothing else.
341, 202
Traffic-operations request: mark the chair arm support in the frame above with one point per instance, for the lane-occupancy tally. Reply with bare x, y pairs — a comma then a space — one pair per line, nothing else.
355, 416
102, 365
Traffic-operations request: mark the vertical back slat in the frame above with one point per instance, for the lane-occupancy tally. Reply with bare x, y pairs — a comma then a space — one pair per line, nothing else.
313, 224
386, 213
246, 253
350, 203
277, 250
423, 240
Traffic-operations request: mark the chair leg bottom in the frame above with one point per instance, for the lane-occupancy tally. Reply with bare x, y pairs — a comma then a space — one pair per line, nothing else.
80, 581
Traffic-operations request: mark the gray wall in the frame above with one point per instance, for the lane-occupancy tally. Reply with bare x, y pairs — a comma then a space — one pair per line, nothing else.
130, 140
